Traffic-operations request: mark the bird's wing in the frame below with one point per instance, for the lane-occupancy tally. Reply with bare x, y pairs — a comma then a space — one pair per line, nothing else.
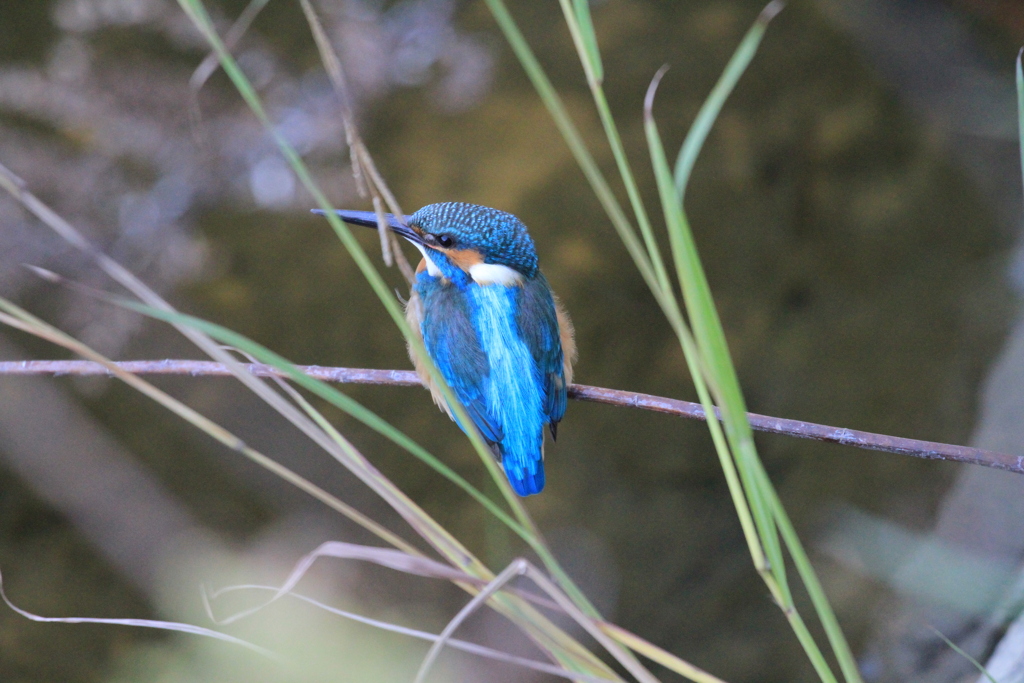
538, 322
454, 345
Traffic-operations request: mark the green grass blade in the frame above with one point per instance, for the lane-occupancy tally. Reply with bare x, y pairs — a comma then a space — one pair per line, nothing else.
708, 330
818, 661
723, 88
712, 346
827, 616
589, 39
574, 140
581, 28
767, 509
611, 131
571, 12
709, 337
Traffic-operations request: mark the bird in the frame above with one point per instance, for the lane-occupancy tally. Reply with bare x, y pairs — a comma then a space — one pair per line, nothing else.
492, 326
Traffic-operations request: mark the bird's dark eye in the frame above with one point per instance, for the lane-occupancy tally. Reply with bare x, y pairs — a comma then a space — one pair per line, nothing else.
445, 241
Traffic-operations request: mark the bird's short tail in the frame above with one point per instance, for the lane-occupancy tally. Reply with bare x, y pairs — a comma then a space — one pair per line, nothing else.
524, 482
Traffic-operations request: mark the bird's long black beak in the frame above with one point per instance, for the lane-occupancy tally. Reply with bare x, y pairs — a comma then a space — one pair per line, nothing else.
368, 219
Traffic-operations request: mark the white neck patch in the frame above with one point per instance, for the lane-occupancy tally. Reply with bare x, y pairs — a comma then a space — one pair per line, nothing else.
494, 274
432, 269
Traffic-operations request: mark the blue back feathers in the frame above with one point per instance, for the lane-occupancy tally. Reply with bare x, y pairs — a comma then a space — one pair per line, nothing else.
497, 346
454, 345
538, 324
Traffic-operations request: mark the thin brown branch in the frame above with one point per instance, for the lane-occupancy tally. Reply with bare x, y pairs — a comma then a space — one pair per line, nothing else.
581, 392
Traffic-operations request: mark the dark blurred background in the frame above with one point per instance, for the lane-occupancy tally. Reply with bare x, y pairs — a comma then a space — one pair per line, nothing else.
857, 207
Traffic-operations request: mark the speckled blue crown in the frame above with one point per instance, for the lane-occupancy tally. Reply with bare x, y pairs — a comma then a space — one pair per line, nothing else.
500, 237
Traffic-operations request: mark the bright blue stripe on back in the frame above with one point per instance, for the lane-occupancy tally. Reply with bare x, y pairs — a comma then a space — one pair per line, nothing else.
513, 392
454, 345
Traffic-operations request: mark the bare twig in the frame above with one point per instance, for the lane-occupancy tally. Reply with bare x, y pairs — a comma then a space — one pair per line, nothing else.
929, 450
517, 568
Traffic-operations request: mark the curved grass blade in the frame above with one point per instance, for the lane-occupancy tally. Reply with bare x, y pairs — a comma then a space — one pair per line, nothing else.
574, 140
719, 94
398, 560
767, 496
713, 348
767, 509
710, 340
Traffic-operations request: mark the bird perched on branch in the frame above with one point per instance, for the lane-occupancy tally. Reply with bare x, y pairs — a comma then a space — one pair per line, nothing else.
492, 326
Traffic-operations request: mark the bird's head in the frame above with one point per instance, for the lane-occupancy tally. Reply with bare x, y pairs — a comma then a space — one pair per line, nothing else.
464, 241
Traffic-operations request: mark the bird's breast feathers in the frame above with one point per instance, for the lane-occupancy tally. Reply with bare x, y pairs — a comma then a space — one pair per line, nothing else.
493, 323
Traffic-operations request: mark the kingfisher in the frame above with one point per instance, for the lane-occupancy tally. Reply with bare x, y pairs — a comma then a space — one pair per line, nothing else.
492, 326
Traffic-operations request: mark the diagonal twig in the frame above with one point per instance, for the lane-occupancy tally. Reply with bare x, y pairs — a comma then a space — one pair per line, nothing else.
929, 450
516, 568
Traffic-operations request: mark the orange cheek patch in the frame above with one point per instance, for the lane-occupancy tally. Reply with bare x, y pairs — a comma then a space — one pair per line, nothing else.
463, 258
422, 266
